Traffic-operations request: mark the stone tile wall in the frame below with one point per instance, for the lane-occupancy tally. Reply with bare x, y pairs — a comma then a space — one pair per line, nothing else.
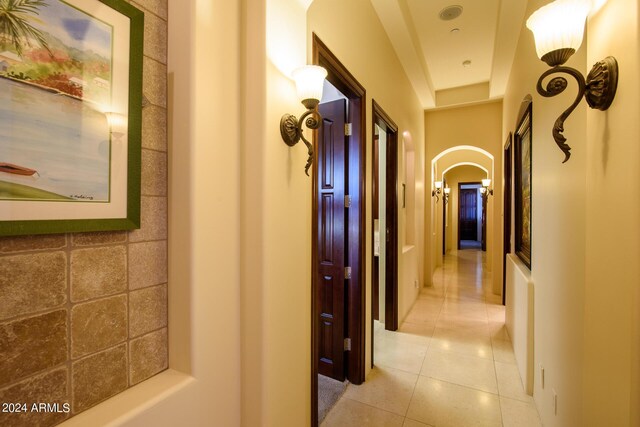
84, 316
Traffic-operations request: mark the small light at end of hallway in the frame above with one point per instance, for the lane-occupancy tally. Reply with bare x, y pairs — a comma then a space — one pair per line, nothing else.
437, 190
485, 190
447, 192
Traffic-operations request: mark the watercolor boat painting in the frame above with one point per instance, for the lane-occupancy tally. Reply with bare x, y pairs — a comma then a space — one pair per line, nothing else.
55, 74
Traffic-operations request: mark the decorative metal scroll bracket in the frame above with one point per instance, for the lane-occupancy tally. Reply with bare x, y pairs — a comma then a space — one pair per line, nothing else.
291, 131
599, 90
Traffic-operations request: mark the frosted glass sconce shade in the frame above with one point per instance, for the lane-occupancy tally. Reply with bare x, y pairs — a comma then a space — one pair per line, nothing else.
485, 190
438, 190
309, 81
558, 29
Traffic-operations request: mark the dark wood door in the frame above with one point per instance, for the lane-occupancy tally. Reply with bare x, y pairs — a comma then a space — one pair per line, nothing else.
391, 235
483, 244
330, 306
375, 200
468, 213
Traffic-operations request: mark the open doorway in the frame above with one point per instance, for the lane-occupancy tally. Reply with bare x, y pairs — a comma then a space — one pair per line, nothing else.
338, 232
470, 216
384, 206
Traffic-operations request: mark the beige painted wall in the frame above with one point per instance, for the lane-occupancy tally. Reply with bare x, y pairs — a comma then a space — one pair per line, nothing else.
355, 35
584, 262
479, 126
464, 156
613, 228
246, 372
558, 233
203, 382
221, 274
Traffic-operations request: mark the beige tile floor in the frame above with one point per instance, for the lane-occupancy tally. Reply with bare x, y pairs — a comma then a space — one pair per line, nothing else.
450, 364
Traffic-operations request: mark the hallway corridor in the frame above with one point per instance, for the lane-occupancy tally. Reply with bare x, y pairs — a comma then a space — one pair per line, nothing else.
449, 364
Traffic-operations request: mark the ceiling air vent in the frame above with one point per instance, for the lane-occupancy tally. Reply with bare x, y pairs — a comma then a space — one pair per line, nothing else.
450, 12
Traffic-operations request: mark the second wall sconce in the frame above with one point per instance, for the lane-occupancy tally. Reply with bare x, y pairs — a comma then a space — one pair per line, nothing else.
309, 81
485, 190
558, 29
447, 191
438, 190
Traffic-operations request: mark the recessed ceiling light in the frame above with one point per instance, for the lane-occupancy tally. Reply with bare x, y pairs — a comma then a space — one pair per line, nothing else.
466, 64
455, 31
450, 12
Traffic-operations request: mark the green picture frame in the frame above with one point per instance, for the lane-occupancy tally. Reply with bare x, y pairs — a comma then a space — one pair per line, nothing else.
92, 51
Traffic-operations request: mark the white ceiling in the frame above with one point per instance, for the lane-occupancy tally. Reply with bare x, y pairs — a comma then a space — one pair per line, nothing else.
432, 55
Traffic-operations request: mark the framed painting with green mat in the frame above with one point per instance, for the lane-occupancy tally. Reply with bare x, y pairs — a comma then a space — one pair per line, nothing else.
70, 115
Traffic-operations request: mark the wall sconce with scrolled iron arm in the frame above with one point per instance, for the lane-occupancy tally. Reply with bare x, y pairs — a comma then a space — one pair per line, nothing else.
309, 81
558, 29
447, 191
438, 190
485, 190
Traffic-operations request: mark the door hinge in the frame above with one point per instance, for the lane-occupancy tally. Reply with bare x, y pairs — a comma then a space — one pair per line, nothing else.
347, 272
347, 201
347, 344
348, 129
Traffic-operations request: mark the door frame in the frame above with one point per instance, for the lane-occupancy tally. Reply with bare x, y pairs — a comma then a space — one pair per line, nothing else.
508, 185
382, 119
483, 238
460, 184
344, 81
445, 202
375, 213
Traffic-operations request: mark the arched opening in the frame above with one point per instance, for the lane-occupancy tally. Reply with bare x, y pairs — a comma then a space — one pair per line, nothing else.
460, 165
464, 181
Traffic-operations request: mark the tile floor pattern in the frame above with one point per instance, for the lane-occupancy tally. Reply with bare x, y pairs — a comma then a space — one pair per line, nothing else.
450, 364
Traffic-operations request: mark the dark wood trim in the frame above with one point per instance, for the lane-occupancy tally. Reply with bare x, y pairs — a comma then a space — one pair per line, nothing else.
375, 215
444, 218
458, 220
382, 119
483, 239
343, 80
508, 188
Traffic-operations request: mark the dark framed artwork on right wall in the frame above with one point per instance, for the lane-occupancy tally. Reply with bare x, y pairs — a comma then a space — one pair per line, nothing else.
522, 187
